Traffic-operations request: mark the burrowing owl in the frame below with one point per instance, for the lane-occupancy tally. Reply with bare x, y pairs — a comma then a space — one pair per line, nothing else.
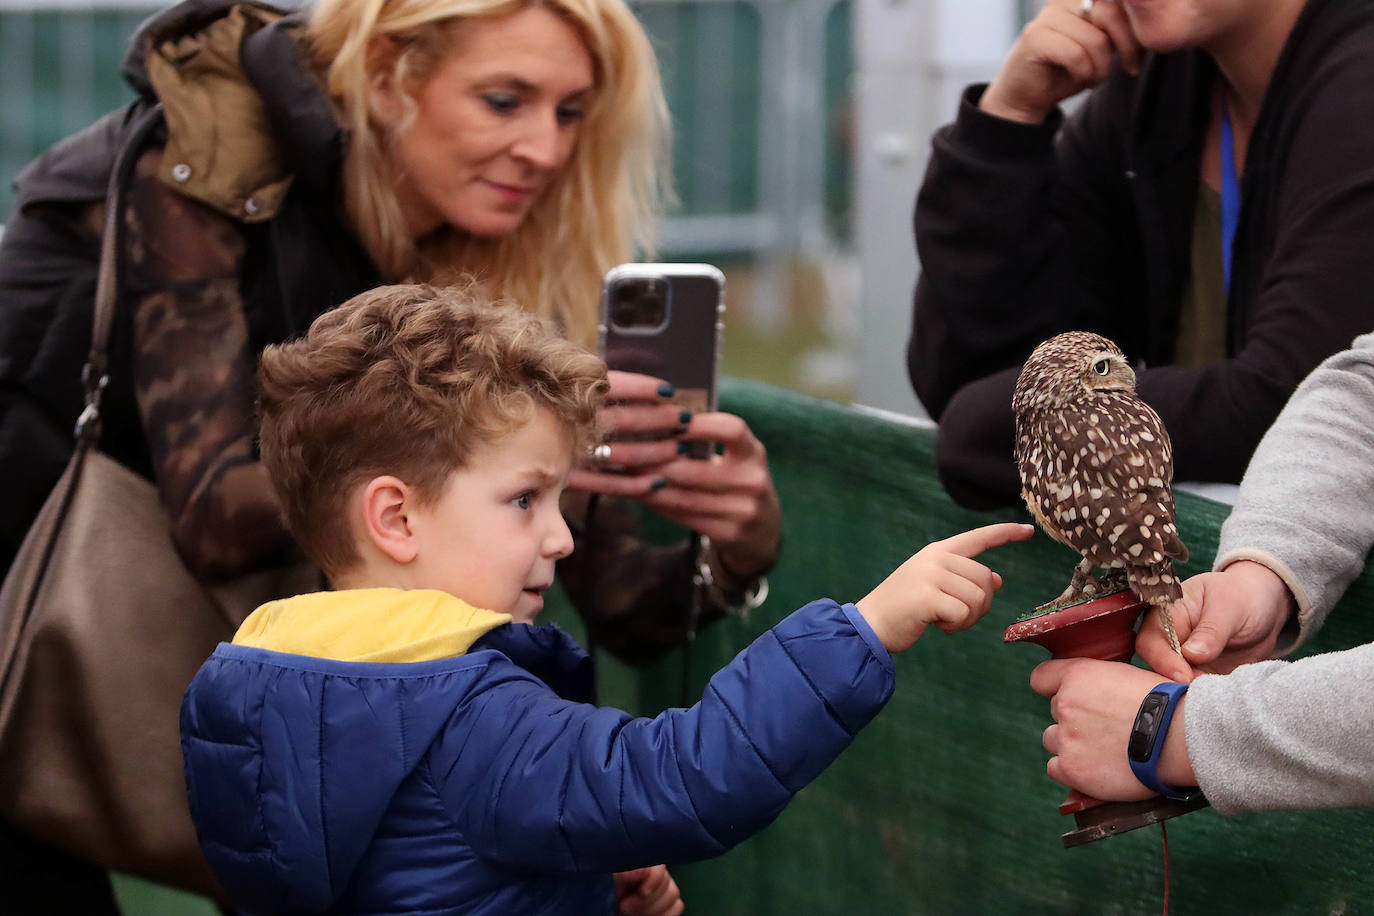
1096, 467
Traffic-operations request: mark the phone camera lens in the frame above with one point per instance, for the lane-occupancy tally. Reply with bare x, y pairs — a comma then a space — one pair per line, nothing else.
640, 303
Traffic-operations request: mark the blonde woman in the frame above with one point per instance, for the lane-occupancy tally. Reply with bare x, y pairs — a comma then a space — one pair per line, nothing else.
301, 159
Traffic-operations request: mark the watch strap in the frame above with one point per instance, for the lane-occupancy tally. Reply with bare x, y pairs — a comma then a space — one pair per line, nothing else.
1146, 742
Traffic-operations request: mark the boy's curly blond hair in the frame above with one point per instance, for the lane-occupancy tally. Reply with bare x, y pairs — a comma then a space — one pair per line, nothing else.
407, 381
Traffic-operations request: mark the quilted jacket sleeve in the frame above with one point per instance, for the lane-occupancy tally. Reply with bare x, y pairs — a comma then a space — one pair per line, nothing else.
537, 781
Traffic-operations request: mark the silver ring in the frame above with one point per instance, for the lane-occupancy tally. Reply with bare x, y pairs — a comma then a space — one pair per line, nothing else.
1085, 8
598, 456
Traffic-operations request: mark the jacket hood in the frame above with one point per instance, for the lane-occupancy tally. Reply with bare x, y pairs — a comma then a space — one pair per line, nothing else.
245, 115
171, 24
292, 761
369, 625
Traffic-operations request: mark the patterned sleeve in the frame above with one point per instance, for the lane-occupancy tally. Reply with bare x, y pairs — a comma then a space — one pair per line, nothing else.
193, 371
636, 597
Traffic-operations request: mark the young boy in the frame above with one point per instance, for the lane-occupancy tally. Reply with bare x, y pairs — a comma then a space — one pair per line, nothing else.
410, 742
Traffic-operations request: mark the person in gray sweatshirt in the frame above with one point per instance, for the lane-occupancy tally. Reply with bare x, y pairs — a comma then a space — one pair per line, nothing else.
1254, 733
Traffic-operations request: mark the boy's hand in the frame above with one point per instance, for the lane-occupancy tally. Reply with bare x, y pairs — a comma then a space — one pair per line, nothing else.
942, 584
647, 892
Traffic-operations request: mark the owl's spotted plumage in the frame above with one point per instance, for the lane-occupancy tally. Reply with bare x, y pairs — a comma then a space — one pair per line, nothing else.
1096, 468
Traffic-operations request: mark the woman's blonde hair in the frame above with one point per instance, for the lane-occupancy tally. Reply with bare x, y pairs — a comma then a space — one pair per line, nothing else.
603, 206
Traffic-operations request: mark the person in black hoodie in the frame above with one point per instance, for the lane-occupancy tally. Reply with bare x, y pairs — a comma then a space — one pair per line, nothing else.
1114, 219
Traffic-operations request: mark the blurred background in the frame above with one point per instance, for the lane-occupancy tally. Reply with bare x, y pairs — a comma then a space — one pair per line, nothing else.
802, 129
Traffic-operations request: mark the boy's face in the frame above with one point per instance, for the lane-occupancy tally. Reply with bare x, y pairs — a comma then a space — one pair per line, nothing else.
495, 532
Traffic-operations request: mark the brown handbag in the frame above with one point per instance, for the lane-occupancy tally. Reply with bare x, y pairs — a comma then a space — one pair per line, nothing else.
101, 630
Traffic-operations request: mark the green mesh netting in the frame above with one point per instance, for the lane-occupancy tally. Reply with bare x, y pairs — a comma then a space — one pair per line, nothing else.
942, 805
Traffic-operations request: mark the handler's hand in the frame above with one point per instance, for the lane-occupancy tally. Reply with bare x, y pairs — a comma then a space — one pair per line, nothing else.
1094, 704
647, 892
1058, 54
1224, 620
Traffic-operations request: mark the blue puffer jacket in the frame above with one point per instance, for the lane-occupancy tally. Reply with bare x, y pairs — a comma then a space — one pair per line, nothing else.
480, 783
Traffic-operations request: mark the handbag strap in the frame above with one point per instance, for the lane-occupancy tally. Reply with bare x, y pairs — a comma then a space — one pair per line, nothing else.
95, 374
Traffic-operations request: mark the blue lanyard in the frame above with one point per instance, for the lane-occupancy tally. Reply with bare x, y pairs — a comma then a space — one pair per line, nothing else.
1230, 194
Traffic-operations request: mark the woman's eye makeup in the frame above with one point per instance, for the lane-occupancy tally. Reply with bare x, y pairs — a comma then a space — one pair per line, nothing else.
500, 102
570, 114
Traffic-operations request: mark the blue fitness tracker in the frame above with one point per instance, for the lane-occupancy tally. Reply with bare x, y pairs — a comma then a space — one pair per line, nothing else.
1147, 739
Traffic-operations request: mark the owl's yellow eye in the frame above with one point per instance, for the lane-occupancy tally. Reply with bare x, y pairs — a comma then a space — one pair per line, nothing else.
1101, 367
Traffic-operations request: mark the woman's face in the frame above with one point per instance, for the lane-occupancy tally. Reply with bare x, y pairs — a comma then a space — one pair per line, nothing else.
1168, 25
494, 123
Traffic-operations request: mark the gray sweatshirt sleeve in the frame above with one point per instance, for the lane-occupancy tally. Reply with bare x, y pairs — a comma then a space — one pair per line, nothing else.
1306, 506
1281, 735
1292, 735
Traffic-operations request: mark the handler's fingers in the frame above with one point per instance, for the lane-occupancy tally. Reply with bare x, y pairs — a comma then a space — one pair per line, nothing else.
1050, 739
1153, 647
972, 543
1047, 677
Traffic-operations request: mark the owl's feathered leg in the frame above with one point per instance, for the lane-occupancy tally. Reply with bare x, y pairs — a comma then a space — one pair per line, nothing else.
1081, 586
1114, 581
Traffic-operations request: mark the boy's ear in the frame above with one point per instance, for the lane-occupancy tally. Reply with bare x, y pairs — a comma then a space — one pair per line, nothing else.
385, 501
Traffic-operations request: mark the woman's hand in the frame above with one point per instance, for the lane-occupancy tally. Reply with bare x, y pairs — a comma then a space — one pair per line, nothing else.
728, 497
1059, 53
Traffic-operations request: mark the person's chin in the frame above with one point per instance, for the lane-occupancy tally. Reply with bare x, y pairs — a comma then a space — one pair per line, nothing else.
529, 605
493, 225
1156, 30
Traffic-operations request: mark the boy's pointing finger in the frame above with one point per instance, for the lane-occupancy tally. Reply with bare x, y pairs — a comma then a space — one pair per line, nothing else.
972, 543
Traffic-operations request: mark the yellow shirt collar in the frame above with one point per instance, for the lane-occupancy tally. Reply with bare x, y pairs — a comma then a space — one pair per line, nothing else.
369, 625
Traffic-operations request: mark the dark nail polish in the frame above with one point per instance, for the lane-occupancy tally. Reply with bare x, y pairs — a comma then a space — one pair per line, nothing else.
666, 391
658, 484
684, 417
684, 447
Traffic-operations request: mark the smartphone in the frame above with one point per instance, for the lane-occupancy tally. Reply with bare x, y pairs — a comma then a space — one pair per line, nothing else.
666, 320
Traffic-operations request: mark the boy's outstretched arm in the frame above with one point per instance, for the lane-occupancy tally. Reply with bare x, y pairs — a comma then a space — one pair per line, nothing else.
941, 585
535, 781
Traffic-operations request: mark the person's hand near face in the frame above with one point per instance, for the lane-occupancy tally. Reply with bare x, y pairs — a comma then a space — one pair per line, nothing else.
728, 497
1060, 53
